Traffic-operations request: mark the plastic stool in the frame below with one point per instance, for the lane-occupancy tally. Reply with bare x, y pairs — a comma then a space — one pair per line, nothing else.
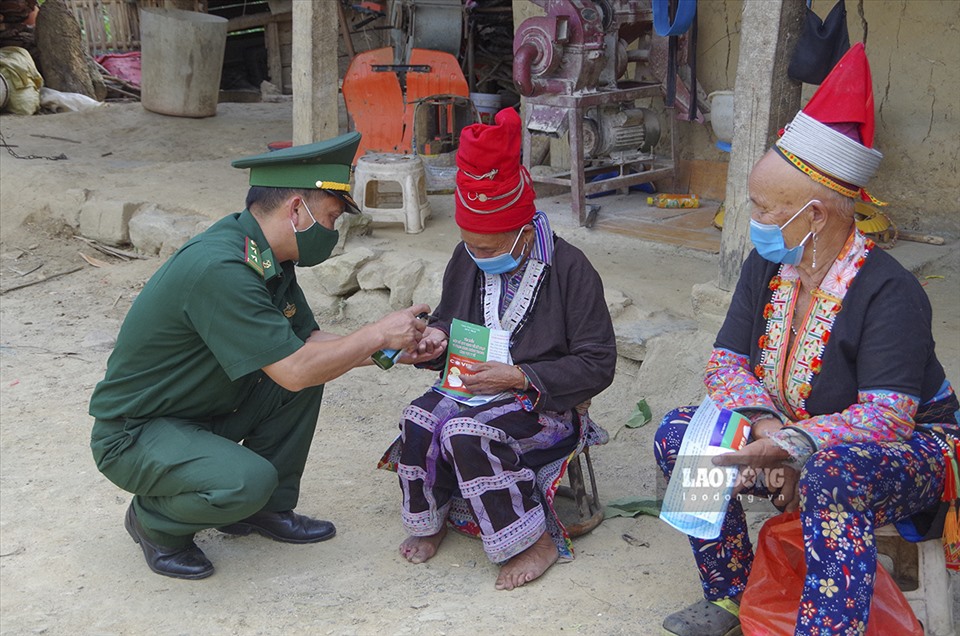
921, 568
408, 205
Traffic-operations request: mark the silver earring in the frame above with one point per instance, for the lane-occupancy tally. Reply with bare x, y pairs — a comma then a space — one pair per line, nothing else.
814, 251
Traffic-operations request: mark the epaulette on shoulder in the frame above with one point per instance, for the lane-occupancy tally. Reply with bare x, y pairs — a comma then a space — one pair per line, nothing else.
251, 255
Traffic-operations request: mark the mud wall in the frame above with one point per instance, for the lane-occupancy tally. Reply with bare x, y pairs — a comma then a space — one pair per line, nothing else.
914, 52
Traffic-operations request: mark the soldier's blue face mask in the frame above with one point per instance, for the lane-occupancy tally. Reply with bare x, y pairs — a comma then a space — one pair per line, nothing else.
316, 243
501, 263
770, 244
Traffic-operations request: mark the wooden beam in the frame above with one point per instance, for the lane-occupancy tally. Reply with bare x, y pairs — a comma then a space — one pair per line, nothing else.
274, 60
315, 72
255, 20
765, 100
345, 31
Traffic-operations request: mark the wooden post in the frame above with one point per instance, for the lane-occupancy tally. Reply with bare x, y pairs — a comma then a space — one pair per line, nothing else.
765, 100
345, 31
274, 59
315, 74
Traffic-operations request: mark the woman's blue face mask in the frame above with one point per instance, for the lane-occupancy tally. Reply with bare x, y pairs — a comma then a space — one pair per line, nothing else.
501, 263
768, 239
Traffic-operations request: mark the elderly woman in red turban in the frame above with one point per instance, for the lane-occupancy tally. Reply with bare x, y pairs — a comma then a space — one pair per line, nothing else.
492, 470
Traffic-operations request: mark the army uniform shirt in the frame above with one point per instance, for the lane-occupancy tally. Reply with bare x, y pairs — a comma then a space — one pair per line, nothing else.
218, 311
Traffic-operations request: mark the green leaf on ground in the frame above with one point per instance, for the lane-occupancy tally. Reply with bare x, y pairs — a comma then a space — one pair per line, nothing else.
631, 507
640, 416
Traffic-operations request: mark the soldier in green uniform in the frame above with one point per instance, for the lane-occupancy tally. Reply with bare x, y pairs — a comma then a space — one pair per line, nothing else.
212, 393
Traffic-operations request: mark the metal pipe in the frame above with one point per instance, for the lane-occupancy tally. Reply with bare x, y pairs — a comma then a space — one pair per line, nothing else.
523, 60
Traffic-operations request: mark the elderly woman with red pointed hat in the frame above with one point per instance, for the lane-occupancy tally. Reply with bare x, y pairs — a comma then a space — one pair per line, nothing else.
827, 348
492, 470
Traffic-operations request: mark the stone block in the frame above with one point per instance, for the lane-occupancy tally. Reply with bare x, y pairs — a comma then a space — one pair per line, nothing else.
68, 206
107, 221
617, 301
349, 226
371, 275
338, 275
403, 283
710, 305
633, 334
429, 288
365, 306
157, 231
631, 341
326, 309
672, 373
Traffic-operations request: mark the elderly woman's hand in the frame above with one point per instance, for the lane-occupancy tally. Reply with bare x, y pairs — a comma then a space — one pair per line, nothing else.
490, 378
762, 428
431, 345
764, 455
783, 483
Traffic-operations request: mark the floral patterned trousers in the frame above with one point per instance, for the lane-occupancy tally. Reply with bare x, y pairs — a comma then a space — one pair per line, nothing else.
845, 492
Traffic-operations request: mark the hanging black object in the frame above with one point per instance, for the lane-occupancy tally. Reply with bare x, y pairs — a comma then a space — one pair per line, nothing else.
821, 45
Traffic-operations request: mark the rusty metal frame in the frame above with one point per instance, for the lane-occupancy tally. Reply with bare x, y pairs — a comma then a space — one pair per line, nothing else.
575, 178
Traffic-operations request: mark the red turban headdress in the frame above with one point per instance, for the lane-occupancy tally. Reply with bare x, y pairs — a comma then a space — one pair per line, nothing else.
494, 192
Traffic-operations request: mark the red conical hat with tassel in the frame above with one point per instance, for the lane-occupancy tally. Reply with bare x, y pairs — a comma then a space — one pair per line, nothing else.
846, 96
831, 139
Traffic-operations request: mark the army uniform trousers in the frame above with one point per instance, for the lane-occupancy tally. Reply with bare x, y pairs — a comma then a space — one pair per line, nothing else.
188, 475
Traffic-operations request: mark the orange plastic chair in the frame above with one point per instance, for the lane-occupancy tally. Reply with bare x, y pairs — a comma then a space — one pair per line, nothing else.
375, 102
375, 99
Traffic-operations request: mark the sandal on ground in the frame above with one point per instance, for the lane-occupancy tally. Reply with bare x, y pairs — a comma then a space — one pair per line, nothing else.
705, 618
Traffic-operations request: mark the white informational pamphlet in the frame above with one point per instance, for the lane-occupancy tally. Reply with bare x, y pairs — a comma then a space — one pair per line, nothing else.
698, 493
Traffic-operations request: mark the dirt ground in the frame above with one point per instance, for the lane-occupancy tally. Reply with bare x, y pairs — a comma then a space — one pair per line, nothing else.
68, 567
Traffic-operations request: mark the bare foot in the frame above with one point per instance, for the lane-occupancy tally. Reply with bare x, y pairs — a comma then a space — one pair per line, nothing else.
528, 565
420, 549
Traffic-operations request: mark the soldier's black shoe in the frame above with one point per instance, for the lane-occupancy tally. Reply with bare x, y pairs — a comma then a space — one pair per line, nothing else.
286, 526
182, 563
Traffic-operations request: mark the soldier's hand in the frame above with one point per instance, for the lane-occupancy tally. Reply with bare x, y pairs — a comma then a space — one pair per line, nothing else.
402, 329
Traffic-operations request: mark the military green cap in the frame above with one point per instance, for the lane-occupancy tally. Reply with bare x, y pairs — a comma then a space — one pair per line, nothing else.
323, 165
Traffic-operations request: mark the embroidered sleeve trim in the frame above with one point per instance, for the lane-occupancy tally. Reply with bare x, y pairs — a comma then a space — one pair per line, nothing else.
797, 443
731, 383
878, 416
755, 414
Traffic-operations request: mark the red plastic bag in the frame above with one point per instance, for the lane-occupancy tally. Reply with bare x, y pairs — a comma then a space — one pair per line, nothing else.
772, 598
126, 66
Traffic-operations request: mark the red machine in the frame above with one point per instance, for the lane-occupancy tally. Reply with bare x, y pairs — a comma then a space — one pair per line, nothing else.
569, 64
